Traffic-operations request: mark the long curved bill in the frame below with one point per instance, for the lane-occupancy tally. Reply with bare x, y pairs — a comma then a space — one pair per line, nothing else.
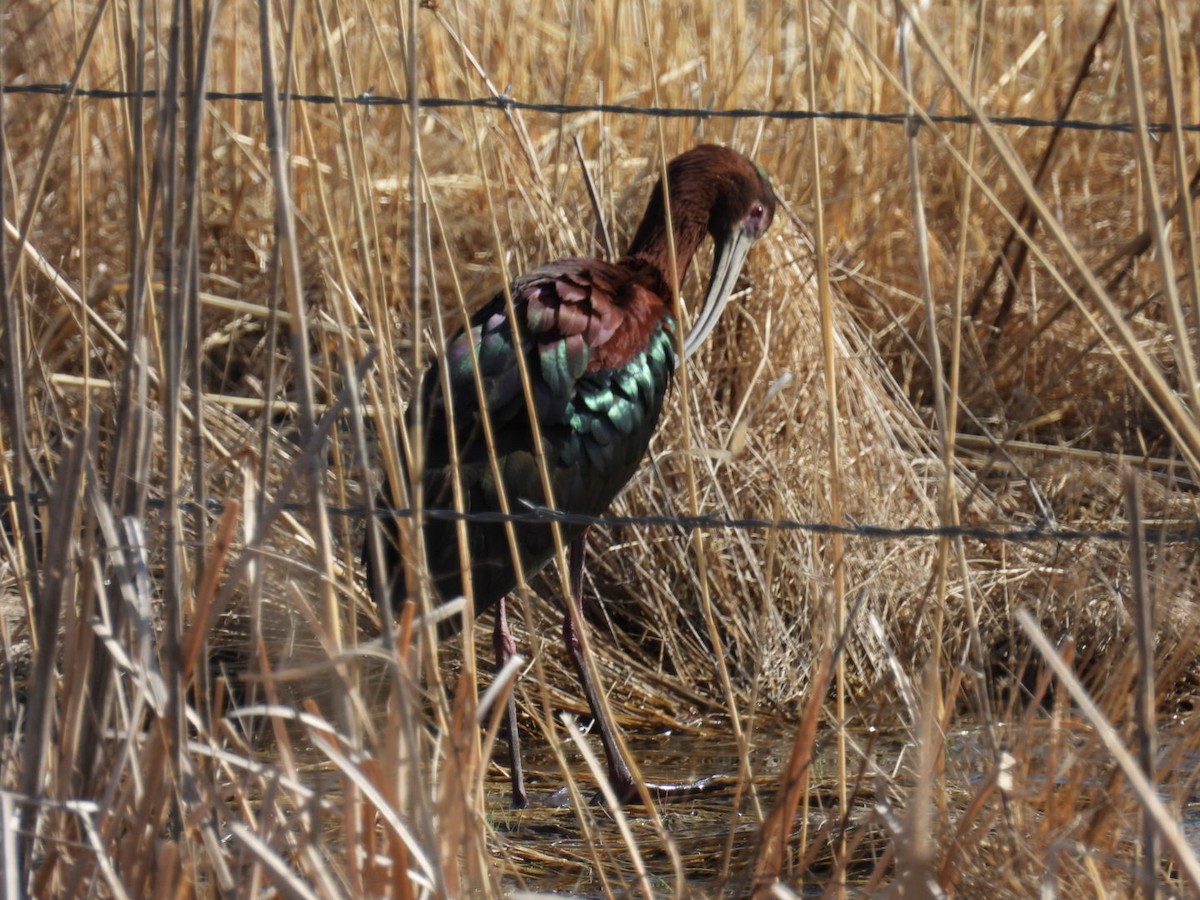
728, 259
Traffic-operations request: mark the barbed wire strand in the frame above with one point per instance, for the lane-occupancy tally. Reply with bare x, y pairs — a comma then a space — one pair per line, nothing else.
504, 103
1169, 533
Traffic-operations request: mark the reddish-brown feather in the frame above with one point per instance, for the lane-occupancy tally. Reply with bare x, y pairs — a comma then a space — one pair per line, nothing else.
641, 313
615, 307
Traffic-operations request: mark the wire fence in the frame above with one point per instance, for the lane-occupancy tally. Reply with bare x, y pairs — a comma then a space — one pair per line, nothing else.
505, 103
1042, 532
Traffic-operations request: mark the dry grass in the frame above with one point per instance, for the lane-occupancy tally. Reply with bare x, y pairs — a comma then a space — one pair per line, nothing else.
936, 755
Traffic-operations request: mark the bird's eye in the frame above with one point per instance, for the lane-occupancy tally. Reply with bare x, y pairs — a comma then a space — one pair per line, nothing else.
756, 220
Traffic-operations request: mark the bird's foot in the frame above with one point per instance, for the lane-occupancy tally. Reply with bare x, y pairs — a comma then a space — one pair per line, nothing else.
671, 789
560, 799
628, 793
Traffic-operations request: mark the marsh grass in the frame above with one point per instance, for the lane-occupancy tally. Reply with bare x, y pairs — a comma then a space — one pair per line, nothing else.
208, 702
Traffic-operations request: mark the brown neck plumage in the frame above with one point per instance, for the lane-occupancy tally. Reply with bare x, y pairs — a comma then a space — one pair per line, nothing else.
691, 201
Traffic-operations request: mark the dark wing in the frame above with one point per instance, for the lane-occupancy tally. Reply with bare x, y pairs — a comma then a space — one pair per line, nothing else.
565, 311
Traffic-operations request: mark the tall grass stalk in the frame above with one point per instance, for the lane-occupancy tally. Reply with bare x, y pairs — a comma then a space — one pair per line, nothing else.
214, 315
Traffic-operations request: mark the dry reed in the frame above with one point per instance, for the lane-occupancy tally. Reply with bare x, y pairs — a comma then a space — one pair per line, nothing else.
979, 325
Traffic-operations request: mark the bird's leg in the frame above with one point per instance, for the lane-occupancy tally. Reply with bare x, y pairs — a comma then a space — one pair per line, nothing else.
506, 648
619, 775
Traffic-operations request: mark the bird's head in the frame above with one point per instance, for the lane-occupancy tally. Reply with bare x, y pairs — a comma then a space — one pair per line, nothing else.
735, 196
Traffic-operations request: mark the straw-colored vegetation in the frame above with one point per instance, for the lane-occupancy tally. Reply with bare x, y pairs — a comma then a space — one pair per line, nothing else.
176, 323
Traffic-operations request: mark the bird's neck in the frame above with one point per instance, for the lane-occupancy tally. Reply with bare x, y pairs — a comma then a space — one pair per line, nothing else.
690, 206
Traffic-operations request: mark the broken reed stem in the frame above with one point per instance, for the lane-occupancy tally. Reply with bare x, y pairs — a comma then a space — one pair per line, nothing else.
776, 831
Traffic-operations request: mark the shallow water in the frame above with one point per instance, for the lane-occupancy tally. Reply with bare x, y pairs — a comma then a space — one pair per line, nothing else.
710, 838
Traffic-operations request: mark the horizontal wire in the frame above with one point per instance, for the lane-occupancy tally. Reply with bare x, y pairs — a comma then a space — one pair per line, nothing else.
503, 103
1174, 533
